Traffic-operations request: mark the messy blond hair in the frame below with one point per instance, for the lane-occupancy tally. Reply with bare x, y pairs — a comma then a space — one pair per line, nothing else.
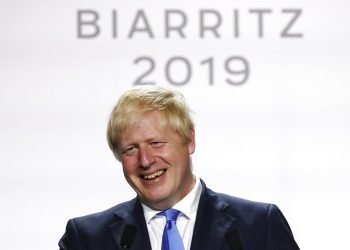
170, 104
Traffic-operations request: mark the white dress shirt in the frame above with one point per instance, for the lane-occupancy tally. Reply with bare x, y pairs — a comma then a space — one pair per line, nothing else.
188, 207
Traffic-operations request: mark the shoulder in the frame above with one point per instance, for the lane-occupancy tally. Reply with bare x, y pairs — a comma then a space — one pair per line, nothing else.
247, 211
93, 230
237, 202
102, 218
263, 217
261, 225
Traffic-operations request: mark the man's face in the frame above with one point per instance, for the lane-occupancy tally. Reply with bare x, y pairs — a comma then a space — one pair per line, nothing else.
156, 161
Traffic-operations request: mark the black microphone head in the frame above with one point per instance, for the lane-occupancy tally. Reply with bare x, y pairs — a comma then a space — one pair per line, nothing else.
128, 236
234, 241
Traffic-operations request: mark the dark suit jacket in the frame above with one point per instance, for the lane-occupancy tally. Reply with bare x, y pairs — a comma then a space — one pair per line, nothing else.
221, 220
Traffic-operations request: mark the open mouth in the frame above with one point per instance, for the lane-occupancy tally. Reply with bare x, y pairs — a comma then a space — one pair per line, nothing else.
154, 175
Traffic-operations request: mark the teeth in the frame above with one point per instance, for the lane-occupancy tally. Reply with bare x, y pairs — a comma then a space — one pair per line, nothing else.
152, 176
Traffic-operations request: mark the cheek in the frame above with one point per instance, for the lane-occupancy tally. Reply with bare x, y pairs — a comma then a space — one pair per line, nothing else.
129, 165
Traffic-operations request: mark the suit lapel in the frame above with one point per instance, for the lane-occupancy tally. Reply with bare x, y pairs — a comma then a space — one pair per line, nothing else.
131, 214
212, 223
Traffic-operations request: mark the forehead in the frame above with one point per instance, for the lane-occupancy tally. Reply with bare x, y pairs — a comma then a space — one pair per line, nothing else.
145, 126
148, 119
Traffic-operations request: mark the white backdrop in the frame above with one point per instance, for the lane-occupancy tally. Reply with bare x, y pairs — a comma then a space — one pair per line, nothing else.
282, 136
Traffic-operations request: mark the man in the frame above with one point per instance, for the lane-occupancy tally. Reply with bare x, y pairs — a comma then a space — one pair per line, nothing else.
151, 132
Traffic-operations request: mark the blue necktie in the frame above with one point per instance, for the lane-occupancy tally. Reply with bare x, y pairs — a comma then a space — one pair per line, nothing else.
171, 237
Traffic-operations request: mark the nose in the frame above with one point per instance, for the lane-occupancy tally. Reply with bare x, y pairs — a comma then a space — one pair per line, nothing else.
146, 158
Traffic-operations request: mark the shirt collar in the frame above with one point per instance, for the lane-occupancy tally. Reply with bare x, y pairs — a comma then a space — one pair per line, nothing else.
187, 206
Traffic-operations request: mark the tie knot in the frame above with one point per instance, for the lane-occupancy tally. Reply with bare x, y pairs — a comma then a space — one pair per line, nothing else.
171, 214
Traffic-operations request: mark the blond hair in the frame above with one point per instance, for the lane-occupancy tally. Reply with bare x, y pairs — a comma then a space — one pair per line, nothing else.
174, 111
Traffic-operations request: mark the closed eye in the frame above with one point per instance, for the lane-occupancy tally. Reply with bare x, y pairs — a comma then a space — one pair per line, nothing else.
131, 150
157, 144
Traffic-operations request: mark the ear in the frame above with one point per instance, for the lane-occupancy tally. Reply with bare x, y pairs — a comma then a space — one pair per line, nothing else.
192, 142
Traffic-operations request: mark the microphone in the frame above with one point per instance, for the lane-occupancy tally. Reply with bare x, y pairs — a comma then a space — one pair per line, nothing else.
128, 236
234, 241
